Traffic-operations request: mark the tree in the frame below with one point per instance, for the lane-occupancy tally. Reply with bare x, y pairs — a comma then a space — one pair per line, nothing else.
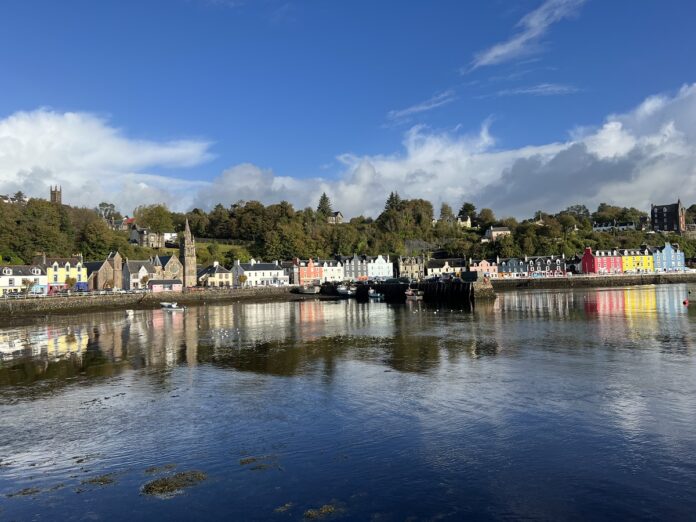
393, 201
28, 285
70, 282
144, 280
578, 211
242, 279
467, 210
155, 217
446, 213
106, 210
324, 207
486, 217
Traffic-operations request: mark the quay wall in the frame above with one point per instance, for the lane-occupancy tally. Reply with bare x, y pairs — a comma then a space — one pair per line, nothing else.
580, 281
10, 308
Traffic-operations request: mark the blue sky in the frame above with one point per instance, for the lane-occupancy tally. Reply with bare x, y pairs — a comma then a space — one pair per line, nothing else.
288, 89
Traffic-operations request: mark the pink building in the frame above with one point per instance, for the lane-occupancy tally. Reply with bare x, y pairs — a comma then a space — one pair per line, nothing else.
487, 268
602, 262
165, 285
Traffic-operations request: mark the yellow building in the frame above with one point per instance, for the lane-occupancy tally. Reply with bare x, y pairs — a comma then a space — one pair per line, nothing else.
215, 275
60, 269
637, 261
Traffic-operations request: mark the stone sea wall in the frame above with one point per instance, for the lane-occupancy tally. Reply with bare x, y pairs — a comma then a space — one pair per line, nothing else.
10, 308
500, 285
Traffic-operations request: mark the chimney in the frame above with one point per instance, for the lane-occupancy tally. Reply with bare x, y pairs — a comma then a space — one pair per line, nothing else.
236, 262
216, 264
252, 261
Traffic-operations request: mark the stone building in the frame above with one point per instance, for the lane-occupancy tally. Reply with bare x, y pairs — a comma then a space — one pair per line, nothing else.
668, 218
187, 256
107, 274
411, 267
56, 195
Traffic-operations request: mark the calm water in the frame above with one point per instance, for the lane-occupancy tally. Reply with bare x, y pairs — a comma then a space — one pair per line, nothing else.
544, 405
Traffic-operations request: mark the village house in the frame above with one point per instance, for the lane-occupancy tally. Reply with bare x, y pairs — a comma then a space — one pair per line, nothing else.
144, 237
613, 226
215, 276
120, 225
602, 262
335, 218
512, 267
60, 269
107, 274
259, 274
495, 233
136, 274
164, 285
168, 267
637, 261
379, 268
355, 267
411, 267
484, 267
332, 270
307, 272
546, 266
668, 258
437, 267
23, 279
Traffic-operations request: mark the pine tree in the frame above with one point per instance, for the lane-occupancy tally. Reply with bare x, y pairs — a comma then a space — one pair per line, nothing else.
324, 207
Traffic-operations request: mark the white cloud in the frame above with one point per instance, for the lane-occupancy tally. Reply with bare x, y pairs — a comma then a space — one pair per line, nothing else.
532, 26
645, 155
91, 160
541, 89
437, 100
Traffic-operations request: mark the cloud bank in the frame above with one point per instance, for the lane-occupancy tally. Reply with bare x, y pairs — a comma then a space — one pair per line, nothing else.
645, 155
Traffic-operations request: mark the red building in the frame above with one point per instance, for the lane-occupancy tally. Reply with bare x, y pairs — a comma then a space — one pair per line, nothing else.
602, 262
306, 272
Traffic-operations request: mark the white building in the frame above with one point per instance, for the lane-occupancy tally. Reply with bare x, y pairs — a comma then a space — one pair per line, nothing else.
495, 233
259, 274
380, 268
18, 278
332, 270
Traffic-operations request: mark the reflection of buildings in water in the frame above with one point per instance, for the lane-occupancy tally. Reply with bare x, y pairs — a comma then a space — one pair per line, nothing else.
50, 341
537, 304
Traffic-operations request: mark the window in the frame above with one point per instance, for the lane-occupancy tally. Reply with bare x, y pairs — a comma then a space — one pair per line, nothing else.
10, 282
55, 278
7, 271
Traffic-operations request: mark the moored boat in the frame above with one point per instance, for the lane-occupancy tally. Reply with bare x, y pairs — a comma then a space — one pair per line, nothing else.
414, 295
309, 289
171, 306
346, 291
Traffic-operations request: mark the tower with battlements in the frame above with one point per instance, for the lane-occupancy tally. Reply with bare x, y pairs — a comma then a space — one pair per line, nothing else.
187, 256
57, 195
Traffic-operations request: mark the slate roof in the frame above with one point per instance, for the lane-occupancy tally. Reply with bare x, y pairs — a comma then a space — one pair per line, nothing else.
212, 269
248, 267
23, 270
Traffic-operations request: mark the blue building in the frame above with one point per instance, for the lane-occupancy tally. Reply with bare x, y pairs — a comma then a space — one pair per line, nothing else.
668, 258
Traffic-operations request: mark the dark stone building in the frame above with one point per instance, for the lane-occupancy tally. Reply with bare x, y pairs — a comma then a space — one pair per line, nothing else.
668, 218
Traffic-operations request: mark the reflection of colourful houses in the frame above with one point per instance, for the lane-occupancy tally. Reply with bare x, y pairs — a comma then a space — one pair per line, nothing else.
601, 262
668, 259
59, 270
637, 261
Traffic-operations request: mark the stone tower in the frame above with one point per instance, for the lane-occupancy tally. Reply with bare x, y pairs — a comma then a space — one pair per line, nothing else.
187, 256
57, 195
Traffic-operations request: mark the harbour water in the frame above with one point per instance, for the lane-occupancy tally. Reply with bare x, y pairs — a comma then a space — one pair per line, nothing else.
544, 405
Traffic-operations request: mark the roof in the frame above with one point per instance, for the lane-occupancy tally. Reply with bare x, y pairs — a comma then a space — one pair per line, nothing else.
93, 266
134, 266
153, 282
248, 267
38, 260
23, 270
500, 229
328, 262
212, 269
165, 259
337, 213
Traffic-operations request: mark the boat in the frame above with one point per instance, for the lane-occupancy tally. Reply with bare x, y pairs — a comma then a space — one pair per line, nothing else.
172, 307
309, 289
374, 294
414, 295
346, 291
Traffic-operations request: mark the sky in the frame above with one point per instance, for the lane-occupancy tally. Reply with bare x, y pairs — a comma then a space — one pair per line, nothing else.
516, 105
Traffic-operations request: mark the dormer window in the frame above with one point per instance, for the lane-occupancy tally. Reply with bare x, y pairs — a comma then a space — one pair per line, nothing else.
35, 271
6, 271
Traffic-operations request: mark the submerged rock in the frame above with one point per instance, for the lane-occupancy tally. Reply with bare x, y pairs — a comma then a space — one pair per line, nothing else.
101, 480
323, 511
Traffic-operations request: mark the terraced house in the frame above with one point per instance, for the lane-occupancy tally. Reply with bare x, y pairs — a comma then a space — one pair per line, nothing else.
20, 279
215, 276
637, 261
63, 270
668, 258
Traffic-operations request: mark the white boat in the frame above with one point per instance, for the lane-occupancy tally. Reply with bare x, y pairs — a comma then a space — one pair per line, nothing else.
309, 289
346, 291
171, 306
374, 294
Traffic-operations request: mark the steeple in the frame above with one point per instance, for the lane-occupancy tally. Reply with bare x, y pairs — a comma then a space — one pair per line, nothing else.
187, 256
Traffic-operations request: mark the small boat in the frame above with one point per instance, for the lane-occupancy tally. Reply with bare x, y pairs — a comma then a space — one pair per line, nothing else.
309, 289
374, 294
346, 291
414, 295
172, 307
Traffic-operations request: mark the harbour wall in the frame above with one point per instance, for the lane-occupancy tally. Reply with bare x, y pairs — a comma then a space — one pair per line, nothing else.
580, 281
10, 308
